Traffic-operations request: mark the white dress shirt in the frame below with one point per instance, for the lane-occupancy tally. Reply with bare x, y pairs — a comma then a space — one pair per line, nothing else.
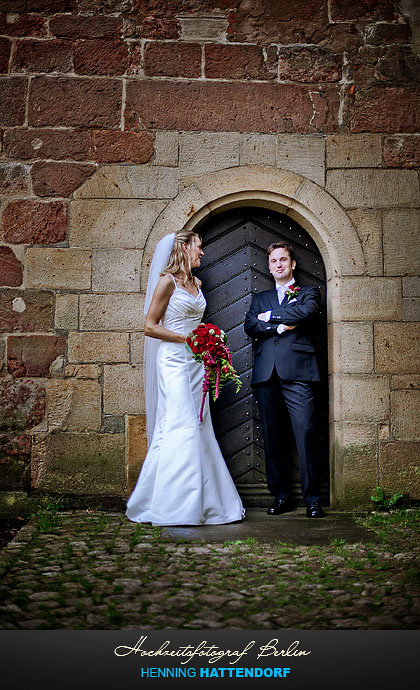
281, 290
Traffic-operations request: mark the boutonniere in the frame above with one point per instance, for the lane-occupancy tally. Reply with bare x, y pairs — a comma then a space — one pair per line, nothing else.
292, 291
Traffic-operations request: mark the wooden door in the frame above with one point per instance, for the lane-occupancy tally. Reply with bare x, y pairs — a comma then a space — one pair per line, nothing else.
233, 267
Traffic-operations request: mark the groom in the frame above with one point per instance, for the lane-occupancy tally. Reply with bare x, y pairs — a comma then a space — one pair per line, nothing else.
285, 367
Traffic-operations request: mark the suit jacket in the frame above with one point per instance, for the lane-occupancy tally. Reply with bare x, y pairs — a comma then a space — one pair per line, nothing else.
292, 353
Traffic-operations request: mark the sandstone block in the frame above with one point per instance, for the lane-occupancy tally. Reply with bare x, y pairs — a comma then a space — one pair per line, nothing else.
166, 149
13, 101
45, 143
229, 61
397, 348
131, 182
354, 151
163, 59
402, 152
34, 222
112, 222
258, 149
377, 299
304, 155
365, 398
74, 405
353, 434
386, 109
401, 257
75, 102
59, 268
368, 224
101, 56
23, 24
126, 147
22, 405
137, 348
10, 268
79, 463
408, 381
411, 287
356, 465
116, 270
32, 56
14, 178
59, 179
66, 26
411, 308
33, 355
82, 371
123, 389
112, 312
204, 28
308, 64
373, 188
136, 448
26, 310
357, 348
238, 107
98, 347
67, 311
200, 153
405, 415
399, 468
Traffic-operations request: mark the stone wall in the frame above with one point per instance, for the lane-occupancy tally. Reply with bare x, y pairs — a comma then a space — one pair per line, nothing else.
115, 118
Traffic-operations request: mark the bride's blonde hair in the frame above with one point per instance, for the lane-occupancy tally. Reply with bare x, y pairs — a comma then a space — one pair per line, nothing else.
179, 261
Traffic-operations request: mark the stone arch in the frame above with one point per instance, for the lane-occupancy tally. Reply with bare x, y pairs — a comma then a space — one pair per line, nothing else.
310, 206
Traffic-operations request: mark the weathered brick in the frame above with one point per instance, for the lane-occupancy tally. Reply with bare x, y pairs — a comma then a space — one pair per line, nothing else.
34, 222
402, 257
374, 188
126, 147
160, 28
399, 468
370, 298
124, 223
172, 59
116, 270
114, 312
405, 413
26, 310
397, 348
381, 34
66, 26
362, 10
79, 463
46, 143
100, 57
308, 64
98, 347
5, 46
105, 7
42, 56
235, 62
74, 102
354, 151
59, 179
12, 5
22, 405
14, 178
241, 107
123, 389
13, 101
59, 268
402, 152
23, 25
74, 405
45, 5
33, 355
11, 273
387, 109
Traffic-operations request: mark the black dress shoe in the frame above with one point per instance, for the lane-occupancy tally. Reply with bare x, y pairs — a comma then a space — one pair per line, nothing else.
280, 505
314, 510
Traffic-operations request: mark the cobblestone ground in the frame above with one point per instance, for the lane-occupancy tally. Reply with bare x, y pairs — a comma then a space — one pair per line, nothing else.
90, 570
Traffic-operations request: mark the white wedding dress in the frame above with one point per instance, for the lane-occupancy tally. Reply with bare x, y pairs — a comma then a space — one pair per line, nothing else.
184, 479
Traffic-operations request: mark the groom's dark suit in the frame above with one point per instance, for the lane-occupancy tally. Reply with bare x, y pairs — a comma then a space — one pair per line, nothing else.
285, 366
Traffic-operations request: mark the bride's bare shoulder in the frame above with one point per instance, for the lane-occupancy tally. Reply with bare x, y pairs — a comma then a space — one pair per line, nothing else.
166, 284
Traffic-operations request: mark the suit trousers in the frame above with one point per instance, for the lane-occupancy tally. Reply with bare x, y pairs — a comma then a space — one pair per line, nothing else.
273, 395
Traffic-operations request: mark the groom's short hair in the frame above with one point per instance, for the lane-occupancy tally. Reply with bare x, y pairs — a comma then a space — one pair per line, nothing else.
281, 245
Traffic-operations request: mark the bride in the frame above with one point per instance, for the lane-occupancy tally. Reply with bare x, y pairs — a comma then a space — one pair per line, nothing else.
184, 479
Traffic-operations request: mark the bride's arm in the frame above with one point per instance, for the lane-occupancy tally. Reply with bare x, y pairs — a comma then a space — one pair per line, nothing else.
158, 305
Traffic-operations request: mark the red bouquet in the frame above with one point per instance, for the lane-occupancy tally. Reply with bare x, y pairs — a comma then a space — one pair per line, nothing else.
208, 345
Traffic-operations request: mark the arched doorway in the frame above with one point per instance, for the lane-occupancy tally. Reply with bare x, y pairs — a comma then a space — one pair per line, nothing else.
234, 266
